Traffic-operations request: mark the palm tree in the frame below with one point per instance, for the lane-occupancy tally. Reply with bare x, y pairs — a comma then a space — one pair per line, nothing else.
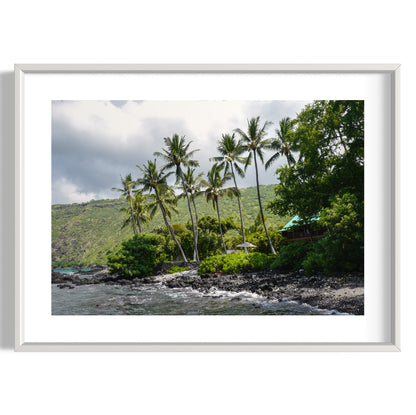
126, 191
194, 185
176, 154
154, 180
283, 144
215, 190
141, 209
255, 142
231, 152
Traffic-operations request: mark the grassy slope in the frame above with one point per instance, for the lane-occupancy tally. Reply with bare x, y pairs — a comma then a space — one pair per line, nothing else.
85, 233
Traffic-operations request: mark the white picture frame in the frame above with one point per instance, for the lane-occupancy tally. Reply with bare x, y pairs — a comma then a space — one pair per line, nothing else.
23, 107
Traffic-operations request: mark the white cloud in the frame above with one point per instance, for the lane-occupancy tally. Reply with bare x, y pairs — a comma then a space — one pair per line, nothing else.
64, 191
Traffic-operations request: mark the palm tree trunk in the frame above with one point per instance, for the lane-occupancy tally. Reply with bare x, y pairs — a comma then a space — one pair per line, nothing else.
239, 207
132, 218
138, 222
196, 256
219, 224
261, 208
196, 220
170, 230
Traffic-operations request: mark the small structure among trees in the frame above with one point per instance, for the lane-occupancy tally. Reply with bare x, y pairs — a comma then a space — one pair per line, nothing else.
301, 230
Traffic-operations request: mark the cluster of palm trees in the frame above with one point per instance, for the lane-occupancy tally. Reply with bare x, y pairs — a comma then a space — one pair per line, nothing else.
179, 160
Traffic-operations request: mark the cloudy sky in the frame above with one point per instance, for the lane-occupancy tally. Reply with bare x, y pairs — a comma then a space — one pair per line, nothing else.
94, 142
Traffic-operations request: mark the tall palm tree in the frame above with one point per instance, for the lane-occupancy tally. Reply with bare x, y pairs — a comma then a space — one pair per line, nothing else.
154, 180
283, 144
194, 185
231, 152
255, 142
128, 185
215, 190
176, 154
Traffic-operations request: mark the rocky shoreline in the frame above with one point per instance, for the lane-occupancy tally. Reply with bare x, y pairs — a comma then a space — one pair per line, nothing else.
342, 292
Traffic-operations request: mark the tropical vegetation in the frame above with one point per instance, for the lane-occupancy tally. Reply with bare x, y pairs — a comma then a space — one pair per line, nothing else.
84, 234
176, 155
321, 175
154, 180
136, 257
215, 189
231, 263
255, 143
231, 152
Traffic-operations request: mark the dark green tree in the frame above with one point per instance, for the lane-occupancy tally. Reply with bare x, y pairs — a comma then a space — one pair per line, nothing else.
330, 139
328, 180
136, 257
342, 247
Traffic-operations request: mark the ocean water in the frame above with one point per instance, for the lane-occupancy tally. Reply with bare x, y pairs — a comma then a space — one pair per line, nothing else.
156, 299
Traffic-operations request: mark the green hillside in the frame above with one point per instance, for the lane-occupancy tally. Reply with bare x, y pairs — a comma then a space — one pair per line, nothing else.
85, 233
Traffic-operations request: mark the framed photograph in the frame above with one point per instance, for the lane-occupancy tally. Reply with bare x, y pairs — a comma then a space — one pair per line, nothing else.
207, 207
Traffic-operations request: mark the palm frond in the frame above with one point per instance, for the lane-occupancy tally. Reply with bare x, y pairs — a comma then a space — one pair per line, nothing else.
232, 192
248, 161
243, 135
216, 159
239, 170
260, 154
271, 160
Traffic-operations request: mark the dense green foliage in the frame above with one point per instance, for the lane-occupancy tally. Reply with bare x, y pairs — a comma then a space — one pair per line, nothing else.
292, 255
342, 247
231, 263
136, 257
327, 180
259, 239
330, 138
209, 240
85, 233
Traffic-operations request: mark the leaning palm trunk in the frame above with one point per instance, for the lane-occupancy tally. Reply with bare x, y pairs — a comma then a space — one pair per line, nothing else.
132, 219
196, 219
138, 222
170, 230
261, 208
219, 225
196, 256
239, 207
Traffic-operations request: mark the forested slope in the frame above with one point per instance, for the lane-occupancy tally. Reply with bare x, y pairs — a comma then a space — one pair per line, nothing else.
83, 234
